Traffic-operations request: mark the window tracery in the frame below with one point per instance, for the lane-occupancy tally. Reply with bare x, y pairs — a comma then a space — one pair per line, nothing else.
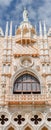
26, 83
36, 119
19, 119
3, 119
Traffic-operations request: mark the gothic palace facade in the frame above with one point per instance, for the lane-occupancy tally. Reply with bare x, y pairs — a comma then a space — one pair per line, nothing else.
25, 77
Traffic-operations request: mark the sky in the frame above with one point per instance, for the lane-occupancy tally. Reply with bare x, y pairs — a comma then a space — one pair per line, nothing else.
12, 10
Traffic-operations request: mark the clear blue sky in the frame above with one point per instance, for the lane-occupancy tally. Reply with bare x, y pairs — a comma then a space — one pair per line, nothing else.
13, 9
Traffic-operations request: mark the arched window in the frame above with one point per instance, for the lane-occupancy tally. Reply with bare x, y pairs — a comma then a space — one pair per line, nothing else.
26, 83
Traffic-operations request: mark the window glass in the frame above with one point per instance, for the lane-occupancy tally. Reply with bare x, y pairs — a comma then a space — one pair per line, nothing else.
26, 83
24, 87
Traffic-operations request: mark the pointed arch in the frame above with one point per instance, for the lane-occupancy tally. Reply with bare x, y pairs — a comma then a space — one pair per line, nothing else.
28, 127
44, 128
26, 70
26, 83
11, 128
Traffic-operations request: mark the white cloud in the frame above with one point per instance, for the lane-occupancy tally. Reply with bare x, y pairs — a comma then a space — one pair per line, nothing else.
32, 13
20, 7
26, 2
44, 12
5, 2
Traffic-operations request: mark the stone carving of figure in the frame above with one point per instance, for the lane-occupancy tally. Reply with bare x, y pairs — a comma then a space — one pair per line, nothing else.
25, 15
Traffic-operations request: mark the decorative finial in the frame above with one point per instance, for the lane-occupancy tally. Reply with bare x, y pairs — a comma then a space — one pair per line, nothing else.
40, 28
11, 28
6, 32
45, 32
1, 32
25, 15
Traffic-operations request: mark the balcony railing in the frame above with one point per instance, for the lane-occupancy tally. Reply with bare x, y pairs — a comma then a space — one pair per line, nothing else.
22, 98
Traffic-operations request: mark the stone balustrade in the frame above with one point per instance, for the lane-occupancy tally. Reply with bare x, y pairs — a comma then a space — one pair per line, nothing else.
26, 98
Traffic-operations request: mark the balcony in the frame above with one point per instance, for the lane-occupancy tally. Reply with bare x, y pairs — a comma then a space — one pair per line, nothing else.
26, 37
23, 99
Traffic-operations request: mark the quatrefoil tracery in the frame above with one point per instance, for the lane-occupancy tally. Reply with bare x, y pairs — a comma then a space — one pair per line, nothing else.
49, 119
36, 119
19, 119
3, 119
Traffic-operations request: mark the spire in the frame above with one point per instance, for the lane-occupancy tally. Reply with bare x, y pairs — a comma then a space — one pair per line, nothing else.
45, 33
15, 29
35, 29
1, 32
6, 32
40, 28
10, 28
25, 15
